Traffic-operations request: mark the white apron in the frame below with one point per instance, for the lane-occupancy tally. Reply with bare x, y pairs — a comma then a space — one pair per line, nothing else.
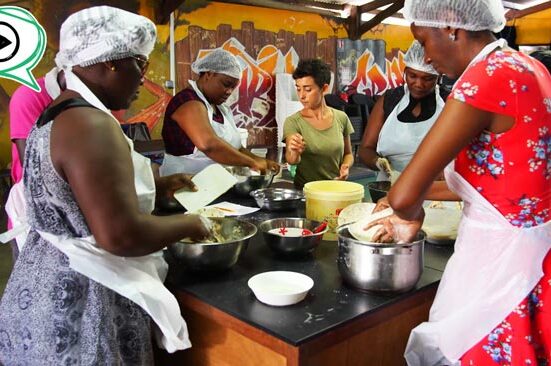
197, 161
398, 141
494, 267
139, 279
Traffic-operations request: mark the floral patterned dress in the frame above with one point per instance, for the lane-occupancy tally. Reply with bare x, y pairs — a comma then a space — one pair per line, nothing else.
512, 170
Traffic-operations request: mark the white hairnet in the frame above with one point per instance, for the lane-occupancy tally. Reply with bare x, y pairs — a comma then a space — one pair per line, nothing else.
415, 59
103, 33
219, 61
463, 14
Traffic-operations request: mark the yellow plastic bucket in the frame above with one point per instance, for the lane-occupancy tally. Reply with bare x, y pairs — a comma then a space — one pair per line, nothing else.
325, 199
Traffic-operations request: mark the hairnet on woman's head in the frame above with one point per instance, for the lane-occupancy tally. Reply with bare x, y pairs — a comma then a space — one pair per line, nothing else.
219, 61
473, 15
415, 59
103, 33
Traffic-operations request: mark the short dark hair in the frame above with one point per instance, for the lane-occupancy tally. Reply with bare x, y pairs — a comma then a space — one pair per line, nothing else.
315, 68
543, 56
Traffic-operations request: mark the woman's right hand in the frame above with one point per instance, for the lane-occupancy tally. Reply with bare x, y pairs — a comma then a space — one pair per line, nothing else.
296, 143
396, 229
199, 227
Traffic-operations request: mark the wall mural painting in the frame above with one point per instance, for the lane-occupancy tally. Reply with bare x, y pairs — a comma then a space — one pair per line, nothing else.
252, 103
262, 54
370, 73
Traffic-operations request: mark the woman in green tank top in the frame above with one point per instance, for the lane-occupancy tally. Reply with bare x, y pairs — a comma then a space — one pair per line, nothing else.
317, 137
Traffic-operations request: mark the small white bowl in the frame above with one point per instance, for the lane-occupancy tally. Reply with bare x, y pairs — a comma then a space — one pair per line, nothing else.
280, 288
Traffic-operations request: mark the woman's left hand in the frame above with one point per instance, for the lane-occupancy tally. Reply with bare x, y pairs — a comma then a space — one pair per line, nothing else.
396, 229
166, 186
344, 172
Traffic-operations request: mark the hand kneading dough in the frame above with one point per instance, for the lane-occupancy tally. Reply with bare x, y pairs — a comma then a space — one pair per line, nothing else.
355, 212
357, 229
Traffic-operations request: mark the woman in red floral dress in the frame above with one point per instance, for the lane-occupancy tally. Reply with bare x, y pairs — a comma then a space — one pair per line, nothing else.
493, 305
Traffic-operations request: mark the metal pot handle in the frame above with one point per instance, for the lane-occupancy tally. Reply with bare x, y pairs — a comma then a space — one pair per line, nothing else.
392, 251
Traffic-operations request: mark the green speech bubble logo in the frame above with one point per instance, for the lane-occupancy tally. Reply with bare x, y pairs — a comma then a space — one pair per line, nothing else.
22, 44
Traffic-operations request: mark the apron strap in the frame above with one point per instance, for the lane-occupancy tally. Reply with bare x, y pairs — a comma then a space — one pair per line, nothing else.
52, 112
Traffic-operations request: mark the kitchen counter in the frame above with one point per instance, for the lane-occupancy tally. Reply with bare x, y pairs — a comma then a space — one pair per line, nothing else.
334, 323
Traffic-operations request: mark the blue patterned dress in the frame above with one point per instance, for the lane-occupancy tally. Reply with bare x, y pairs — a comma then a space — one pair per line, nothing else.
50, 314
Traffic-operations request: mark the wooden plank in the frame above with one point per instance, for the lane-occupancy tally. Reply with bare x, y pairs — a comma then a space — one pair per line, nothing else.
223, 33
195, 41
289, 40
183, 63
236, 33
280, 41
270, 38
259, 41
208, 39
299, 45
247, 31
311, 44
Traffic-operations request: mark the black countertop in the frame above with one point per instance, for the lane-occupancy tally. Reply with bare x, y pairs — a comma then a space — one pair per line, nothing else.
329, 304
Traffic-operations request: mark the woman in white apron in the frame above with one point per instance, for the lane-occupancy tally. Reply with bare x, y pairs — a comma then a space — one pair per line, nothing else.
414, 107
198, 129
493, 302
87, 287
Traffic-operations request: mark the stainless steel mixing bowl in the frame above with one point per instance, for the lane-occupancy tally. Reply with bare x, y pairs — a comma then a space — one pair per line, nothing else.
277, 199
215, 256
247, 181
379, 267
291, 245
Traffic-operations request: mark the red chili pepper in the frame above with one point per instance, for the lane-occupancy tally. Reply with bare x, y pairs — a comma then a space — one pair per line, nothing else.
320, 227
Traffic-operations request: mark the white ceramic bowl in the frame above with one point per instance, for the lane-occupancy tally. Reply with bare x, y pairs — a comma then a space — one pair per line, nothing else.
280, 288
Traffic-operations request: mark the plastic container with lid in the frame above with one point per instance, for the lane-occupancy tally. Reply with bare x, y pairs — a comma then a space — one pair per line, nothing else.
326, 198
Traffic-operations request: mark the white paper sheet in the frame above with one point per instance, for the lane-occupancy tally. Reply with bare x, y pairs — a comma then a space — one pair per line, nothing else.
211, 182
232, 209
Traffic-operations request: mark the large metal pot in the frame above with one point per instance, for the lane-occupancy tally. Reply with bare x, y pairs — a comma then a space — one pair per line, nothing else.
208, 257
379, 267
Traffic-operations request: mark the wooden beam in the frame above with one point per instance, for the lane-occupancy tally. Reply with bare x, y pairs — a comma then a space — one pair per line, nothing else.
164, 8
283, 6
515, 14
319, 4
353, 23
381, 16
375, 4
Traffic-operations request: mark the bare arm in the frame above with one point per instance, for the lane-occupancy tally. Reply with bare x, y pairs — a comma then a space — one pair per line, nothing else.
368, 148
20, 144
91, 154
267, 164
347, 160
193, 120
